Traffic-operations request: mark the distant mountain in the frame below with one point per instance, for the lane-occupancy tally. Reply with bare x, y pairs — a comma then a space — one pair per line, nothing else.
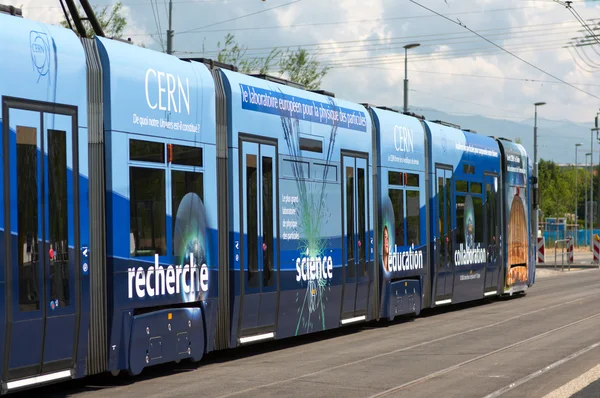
556, 139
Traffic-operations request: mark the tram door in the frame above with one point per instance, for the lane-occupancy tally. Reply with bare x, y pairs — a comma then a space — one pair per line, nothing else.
42, 256
259, 224
444, 239
492, 228
355, 242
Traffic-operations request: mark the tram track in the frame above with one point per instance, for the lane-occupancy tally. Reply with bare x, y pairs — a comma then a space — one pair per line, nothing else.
433, 341
486, 355
540, 372
467, 350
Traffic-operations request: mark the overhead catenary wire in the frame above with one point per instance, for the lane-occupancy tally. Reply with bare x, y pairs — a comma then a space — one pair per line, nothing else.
449, 54
313, 24
578, 18
591, 35
512, 34
240, 17
475, 76
433, 37
589, 61
157, 23
571, 49
500, 47
438, 95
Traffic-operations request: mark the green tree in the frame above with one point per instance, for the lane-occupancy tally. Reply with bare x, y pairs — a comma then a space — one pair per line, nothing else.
233, 54
557, 190
299, 66
111, 20
303, 68
556, 195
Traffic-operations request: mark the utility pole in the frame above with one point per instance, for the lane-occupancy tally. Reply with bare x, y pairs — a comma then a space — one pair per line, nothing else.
576, 198
592, 186
592, 164
586, 201
535, 170
406, 48
170, 31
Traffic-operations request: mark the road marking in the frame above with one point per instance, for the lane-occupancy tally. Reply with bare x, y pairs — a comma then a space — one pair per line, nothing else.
576, 384
405, 348
460, 365
540, 372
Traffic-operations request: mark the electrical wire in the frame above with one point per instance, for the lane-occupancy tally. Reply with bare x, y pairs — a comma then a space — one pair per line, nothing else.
157, 23
500, 47
508, 78
360, 21
432, 36
448, 38
449, 54
240, 17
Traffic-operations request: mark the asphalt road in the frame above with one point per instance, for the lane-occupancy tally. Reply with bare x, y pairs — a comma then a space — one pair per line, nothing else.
544, 344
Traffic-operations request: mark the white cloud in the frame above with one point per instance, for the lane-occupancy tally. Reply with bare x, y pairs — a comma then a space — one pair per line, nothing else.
50, 12
373, 40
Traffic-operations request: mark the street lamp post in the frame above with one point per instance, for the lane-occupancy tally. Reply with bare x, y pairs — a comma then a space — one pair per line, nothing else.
535, 166
592, 187
576, 198
586, 204
406, 48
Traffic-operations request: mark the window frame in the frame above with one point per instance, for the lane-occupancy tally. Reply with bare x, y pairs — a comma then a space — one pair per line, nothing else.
405, 188
168, 168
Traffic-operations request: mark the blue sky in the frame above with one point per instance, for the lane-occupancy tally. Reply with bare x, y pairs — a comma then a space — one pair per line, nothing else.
453, 70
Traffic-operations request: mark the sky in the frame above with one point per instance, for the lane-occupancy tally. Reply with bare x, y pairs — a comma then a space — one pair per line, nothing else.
453, 70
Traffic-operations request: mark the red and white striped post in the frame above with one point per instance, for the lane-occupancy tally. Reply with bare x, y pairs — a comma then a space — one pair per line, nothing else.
540, 249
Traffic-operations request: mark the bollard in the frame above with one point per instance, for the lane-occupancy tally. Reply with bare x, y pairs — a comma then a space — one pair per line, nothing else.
541, 241
596, 251
562, 253
570, 245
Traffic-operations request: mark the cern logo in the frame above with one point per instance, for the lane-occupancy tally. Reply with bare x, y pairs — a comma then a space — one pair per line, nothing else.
40, 52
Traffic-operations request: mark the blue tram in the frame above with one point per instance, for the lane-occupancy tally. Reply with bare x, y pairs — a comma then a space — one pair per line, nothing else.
156, 209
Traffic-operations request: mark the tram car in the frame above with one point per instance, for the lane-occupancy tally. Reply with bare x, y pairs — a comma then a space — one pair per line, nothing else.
156, 209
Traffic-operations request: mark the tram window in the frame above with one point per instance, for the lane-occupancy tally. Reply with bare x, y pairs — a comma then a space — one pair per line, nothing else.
476, 187
412, 180
448, 203
186, 155
460, 219
267, 202
59, 217
413, 218
311, 145
147, 211
395, 178
295, 168
478, 209
146, 151
468, 169
441, 207
350, 219
27, 218
397, 197
462, 186
252, 218
490, 208
182, 183
362, 248
323, 172
441, 219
